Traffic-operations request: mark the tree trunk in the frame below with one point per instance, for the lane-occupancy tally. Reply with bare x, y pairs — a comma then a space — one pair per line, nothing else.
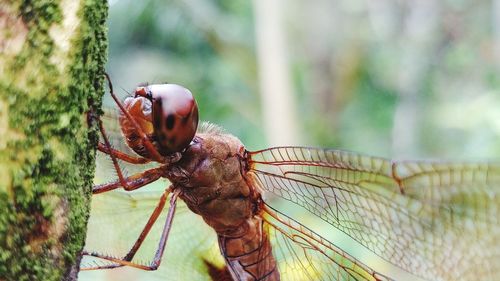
52, 56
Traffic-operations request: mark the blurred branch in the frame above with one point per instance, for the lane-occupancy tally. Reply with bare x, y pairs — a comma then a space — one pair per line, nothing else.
277, 99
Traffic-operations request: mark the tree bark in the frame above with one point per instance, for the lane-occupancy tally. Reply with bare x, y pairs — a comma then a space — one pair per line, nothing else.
52, 56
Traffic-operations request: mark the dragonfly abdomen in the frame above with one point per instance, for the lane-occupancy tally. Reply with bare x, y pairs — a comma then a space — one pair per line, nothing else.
248, 253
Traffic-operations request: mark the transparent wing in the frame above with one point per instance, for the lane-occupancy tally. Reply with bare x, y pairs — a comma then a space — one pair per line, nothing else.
302, 254
439, 221
117, 218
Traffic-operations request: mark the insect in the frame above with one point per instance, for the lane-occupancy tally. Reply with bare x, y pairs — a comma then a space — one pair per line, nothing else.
433, 220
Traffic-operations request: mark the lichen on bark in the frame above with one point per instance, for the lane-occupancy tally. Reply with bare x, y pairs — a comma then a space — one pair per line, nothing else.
52, 58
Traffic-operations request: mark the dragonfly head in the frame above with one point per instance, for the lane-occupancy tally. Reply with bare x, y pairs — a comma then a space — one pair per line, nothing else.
174, 115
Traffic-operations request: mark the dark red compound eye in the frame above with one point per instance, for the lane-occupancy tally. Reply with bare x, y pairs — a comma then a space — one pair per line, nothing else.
175, 117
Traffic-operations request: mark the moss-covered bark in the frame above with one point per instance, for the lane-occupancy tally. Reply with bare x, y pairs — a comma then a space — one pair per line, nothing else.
52, 56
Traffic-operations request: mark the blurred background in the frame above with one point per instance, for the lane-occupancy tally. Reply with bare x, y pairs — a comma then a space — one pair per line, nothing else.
390, 78
404, 79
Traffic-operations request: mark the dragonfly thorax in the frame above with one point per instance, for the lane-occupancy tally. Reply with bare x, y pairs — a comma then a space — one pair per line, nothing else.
213, 186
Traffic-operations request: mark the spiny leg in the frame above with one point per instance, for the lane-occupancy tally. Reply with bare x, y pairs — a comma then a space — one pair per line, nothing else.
161, 244
133, 159
102, 147
147, 143
113, 156
152, 219
131, 183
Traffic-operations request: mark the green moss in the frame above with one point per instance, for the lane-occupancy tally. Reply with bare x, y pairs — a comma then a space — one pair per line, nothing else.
49, 155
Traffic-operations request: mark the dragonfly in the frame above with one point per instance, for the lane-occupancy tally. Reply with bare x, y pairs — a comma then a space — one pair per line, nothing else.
226, 213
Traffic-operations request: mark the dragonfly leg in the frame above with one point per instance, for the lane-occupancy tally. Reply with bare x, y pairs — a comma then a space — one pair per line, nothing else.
126, 261
113, 156
130, 183
102, 147
147, 143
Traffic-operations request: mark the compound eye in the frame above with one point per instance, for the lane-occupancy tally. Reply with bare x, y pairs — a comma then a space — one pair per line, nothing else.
175, 117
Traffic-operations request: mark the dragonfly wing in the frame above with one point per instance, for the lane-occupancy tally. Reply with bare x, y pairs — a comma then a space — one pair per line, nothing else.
117, 218
301, 254
436, 220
